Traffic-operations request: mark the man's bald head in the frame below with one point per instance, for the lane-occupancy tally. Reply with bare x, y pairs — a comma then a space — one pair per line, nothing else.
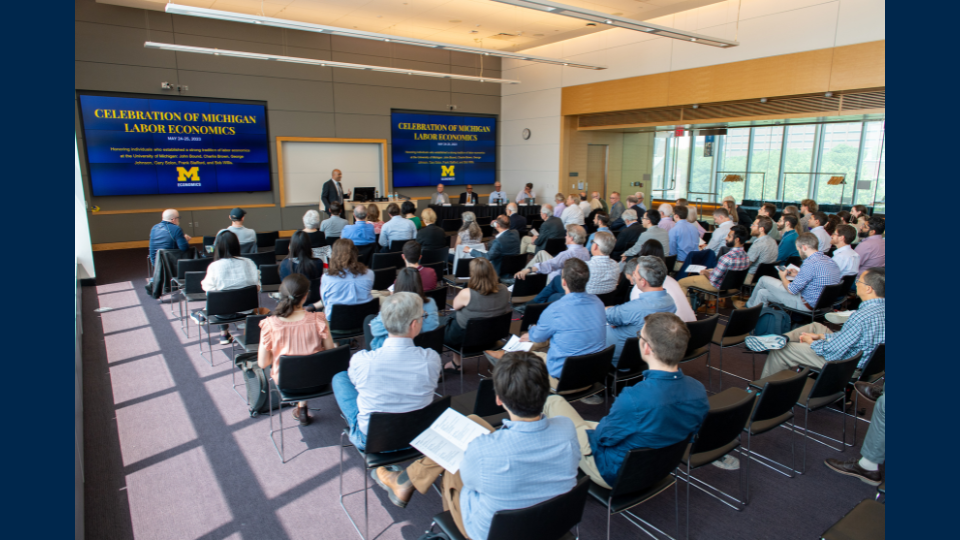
170, 214
336, 174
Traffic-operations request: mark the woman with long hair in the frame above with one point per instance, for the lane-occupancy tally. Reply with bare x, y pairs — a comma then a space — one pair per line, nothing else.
468, 235
732, 209
408, 280
300, 259
292, 331
484, 297
654, 248
347, 281
373, 216
228, 271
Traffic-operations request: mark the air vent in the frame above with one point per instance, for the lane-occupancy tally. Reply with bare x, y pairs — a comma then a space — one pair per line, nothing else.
646, 116
865, 100
773, 107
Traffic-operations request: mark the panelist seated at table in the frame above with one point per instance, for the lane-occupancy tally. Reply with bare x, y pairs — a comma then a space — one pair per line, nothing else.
498, 197
469, 196
440, 197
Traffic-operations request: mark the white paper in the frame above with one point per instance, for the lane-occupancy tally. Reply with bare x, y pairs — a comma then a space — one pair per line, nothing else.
510, 288
468, 204
696, 268
390, 288
792, 267
447, 438
447, 204
514, 344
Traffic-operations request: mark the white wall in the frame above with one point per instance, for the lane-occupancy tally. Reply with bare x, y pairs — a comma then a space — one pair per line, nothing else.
81, 229
766, 28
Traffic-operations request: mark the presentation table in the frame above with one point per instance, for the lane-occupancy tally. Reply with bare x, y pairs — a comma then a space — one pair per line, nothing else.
481, 210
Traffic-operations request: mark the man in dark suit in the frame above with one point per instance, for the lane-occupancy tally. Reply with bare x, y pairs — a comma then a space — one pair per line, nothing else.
632, 204
629, 235
552, 228
474, 198
507, 242
517, 222
333, 191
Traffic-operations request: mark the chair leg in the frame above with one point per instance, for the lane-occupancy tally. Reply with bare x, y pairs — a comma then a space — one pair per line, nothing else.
280, 413
688, 501
365, 489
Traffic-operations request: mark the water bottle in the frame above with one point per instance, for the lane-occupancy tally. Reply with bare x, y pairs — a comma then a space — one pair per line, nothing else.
376, 194
395, 196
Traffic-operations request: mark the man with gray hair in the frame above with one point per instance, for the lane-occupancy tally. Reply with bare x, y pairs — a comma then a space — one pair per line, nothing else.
625, 321
666, 217
361, 232
552, 228
639, 196
627, 236
604, 273
544, 263
517, 222
398, 377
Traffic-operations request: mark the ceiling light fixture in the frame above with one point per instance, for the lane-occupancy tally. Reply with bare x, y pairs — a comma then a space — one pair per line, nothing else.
315, 62
620, 22
178, 9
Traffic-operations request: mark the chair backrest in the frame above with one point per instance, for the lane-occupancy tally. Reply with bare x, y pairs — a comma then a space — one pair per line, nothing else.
192, 265
847, 282
531, 315
396, 246
431, 340
439, 269
724, 424
318, 239
312, 372
314, 295
485, 220
463, 269
232, 301
874, 367
387, 260
262, 257
779, 397
452, 225
795, 260
267, 239
701, 333
742, 321
555, 245
485, 230
511, 264
433, 256
834, 378
548, 520
670, 261
251, 329
366, 252
193, 280
383, 278
486, 402
208, 241
529, 286
439, 296
766, 269
394, 431
829, 295
482, 332
611, 298
345, 317
645, 467
630, 358
733, 279
585, 370
270, 274
282, 247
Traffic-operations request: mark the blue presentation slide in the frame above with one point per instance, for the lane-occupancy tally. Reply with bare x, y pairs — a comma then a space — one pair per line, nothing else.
431, 149
138, 146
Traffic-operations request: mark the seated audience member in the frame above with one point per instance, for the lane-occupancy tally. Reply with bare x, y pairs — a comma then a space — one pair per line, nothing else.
692, 218
620, 223
816, 221
616, 207
680, 202
333, 225
431, 236
639, 196
601, 221
595, 196
398, 377
633, 203
411, 257
872, 248
831, 225
246, 237
572, 214
770, 210
846, 258
347, 281
626, 320
517, 222
666, 217
558, 204
529, 446
791, 209
361, 232
497, 196
373, 216
227, 272
654, 248
573, 324
398, 228
629, 235
440, 197
584, 204
408, 280
649, 220
292, 331
544, 263
506, 242
788, 238
814, 345
741, 215
469, 196
858, 218
732, 211
468, 235
311, 226
843, 216
409, 211
666, 407
723, 221
167, 234
483, 297
552, 227
683, 236
300, 259
817, 272
873, 451
604, 272
710, 279
807, 208
764, 248
527, 193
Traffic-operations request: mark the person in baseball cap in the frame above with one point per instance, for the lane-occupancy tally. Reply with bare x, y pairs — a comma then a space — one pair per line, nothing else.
247, 237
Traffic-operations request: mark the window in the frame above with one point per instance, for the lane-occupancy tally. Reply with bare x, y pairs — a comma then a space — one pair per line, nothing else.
736, 146
872, 167
700, 175
838, 155
765, 158
659, 165
799, 159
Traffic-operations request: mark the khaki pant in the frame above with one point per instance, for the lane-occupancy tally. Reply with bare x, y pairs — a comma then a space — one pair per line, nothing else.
540, 257
381, 295
527, 245
557, 406
677, 266
795, 354
424, 472
749, 279
700, 282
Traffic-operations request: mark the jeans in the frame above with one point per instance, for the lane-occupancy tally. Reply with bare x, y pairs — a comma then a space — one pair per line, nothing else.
553, 291
770, 289
346, 395
874, 445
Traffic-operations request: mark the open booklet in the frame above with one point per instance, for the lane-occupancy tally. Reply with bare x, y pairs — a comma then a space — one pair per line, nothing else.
792, 267
447, 438
514, 344
695, 268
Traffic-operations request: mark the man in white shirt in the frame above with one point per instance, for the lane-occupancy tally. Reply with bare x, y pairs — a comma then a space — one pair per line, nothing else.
246, 237
816, 222
846, 258
440, 197
527, 193
723, 221
572, 214
497, 196
584, 203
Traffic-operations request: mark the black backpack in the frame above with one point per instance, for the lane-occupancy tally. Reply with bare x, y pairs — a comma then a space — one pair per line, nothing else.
256, 381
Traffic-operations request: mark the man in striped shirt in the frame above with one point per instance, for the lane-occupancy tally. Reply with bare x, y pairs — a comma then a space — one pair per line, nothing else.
814, 345
802, 293
735, 259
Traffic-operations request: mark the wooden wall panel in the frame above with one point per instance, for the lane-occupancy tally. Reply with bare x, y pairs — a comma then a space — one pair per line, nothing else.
859, 66
644, 92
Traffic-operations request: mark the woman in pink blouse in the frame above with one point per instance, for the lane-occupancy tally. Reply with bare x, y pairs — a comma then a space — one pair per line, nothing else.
292, 331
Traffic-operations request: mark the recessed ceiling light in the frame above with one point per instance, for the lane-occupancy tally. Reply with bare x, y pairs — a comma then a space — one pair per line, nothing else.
693, 39
386, 40
608, 21
763, 100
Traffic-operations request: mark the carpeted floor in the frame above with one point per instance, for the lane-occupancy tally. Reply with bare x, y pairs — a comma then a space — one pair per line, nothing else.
172, 453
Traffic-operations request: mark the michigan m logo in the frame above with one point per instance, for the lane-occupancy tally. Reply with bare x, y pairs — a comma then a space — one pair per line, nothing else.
447, 170
188, 175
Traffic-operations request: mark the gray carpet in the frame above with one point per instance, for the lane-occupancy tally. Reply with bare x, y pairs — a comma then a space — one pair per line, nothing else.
172, 453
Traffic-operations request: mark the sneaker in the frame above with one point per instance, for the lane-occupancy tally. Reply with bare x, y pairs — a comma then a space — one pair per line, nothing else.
739, 304
301, 415
765, 343
198, 317
727, 463
839, 317
592, 400
226, 339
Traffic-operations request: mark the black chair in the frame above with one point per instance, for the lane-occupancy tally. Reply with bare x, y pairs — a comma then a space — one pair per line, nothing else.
550, 520
481, 334
670, 261
774, 408
830, 295
261, 258
192, 292
178, 283
207, 241
526, 289
701, 334
270, 278
396, 246
481, 402
531, 315
439, 296
282, 247
433, 256
462, 273
644, 474
314, 295
388, 443
365, 253
267, 239
227, 307
510, 265
738, 327
555, 246
433, 340
584, 376
795, 260
484, 220
303, 378
866, 521
387, 260
346, 320
630, 367
730, 286
249, 341
611, 298
319, 239
764, 270
383, 278
439, 269
452, 225
873, 370
486, 231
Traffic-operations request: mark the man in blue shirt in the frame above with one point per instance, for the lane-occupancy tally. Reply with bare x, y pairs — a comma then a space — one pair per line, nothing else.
398, 228
361, 232
663, 409
684, 236
497, 196
602, 222
798, 290
167, 234
626, 320
529, 460
788, 238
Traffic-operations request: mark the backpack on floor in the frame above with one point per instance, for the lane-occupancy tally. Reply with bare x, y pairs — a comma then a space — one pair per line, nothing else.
257, 384
772, 321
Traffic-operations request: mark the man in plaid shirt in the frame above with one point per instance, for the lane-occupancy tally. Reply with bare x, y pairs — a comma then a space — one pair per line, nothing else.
802, 293
814, 345
735, 259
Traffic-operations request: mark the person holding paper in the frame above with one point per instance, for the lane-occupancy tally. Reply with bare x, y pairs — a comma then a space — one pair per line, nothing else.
735, 259
625, 321
506, 242
803, 291
527, 193
530, 460
552, 228
469, 196
666, 407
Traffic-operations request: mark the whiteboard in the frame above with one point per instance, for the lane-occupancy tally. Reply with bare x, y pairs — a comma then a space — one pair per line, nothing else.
307, 166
